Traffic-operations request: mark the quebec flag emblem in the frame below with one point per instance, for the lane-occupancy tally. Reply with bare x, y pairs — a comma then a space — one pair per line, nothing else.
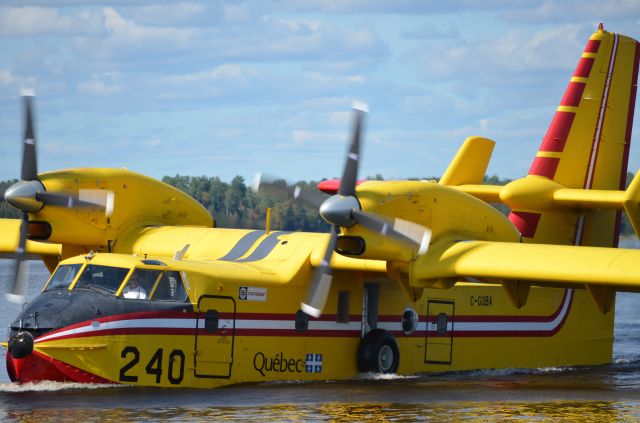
314, 363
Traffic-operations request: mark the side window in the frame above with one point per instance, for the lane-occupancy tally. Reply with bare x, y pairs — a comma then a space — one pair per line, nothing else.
170, 288
140, 284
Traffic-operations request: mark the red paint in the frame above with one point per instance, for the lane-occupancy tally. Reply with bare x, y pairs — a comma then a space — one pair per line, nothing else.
627, 137
331, 186
544, 166
39, 367
573, 94
584, 67
599, 130
526, 222
592, 46
556, 136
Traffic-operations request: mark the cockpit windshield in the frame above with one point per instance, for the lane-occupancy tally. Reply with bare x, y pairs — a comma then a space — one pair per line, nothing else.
63, 276
106, 278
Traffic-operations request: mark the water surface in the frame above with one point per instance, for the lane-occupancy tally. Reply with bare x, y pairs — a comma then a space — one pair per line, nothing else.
602, 393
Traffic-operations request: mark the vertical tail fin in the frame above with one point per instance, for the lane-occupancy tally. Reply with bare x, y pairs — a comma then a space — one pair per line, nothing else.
587, 143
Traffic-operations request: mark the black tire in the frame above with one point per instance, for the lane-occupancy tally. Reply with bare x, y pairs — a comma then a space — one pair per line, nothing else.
378, 353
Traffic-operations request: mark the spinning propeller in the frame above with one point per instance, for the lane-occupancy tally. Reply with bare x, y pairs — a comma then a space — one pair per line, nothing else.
344, 210
30, 196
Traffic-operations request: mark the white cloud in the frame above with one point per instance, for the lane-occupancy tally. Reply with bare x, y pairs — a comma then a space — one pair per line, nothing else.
152, 143
574, 10
104, 84
183, 13
6, 77
515, 51
300, 136
127, 32
225, 71
31, 20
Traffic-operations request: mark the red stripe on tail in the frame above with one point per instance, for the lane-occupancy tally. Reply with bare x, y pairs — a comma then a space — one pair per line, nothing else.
592, 46
584, 67
556, 136
544, 166
573, 94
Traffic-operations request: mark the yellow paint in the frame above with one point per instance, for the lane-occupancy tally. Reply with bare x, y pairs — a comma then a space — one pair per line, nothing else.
484, 299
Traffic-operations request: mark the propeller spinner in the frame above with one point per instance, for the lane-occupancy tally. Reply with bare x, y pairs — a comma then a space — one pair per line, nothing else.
29, 196
344, 210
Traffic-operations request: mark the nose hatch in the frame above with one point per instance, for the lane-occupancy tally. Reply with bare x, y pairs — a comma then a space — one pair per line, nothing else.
21, 344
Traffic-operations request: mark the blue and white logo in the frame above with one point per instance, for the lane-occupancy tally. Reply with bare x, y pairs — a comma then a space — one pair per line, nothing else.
314, 363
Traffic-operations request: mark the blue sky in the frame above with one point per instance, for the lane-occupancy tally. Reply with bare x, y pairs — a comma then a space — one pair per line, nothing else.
231, 88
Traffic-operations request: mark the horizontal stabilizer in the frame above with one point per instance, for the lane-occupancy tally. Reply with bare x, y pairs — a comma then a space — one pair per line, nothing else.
540, 194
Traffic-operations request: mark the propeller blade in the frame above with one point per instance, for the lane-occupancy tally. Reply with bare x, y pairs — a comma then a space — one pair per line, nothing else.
273, 184
350, 172
21, 268
321, 284
400, 229
62, 200
29, 170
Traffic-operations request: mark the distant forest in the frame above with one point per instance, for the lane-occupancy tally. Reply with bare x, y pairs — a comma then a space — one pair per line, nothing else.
234, 205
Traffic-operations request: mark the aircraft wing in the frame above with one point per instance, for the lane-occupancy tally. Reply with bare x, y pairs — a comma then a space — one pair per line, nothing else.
10, 230
540, 264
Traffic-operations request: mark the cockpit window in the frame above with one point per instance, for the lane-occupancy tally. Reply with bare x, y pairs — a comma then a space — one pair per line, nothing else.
155, 285
140, 284
63, 276
170, 288
102, 277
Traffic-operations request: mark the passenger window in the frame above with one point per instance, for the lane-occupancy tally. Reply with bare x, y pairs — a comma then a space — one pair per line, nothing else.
140, 284
103, 277
170, 288
63, 276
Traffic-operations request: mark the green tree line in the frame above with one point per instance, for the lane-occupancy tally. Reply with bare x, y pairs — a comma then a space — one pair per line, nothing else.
234, 205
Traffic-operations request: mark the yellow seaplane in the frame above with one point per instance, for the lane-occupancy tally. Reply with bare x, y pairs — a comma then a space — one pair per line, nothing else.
415, 276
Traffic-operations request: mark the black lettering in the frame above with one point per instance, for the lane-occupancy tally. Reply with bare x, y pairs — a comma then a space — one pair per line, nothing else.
291, 365
154, 367
471, 300
259, 368
124, 377
276, 363
173, 357
300, 363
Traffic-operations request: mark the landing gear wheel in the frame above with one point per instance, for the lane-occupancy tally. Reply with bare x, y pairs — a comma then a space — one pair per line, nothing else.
378, 353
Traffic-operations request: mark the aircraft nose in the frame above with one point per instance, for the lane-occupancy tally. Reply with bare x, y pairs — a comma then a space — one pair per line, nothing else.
20, 347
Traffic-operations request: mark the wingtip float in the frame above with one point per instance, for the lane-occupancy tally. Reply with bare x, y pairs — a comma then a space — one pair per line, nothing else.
415, 276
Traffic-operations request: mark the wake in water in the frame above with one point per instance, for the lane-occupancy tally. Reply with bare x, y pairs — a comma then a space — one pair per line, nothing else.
49, 386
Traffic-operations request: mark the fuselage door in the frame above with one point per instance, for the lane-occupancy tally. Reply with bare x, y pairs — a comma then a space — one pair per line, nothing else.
215, 333
439, 342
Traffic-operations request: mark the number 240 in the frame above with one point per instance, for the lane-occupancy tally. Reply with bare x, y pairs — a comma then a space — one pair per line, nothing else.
154, 366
